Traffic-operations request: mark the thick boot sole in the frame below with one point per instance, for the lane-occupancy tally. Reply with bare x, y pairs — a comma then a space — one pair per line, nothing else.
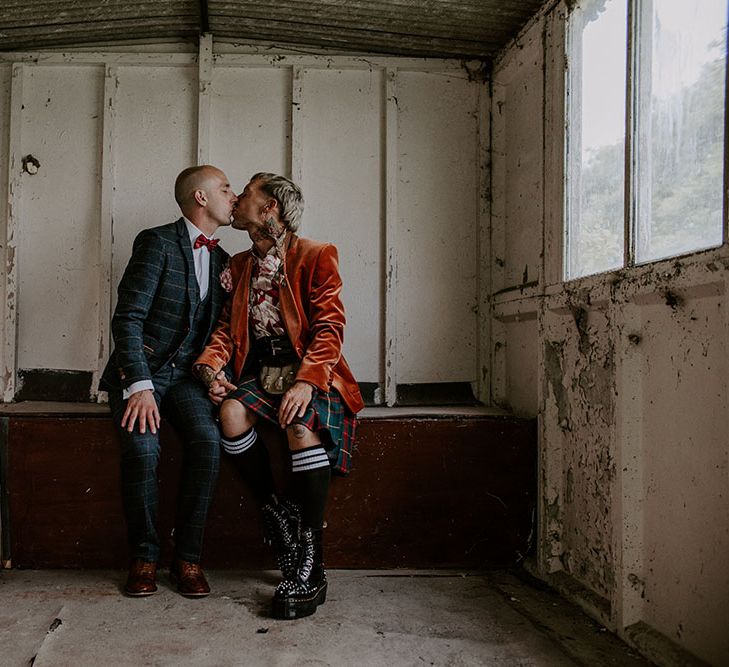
287, 609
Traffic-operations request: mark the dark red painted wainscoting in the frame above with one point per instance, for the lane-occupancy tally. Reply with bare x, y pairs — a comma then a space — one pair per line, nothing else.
455, 491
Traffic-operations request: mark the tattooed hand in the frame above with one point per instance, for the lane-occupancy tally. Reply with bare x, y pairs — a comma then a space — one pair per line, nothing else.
294, 403
204, 373
217, 384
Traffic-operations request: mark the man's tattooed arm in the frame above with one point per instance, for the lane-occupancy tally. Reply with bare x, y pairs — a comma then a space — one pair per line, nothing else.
204, 373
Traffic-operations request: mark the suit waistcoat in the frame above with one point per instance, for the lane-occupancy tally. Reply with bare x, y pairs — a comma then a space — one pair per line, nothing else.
195, 339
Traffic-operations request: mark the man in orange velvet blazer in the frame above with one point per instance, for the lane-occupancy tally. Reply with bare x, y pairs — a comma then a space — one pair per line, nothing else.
282, 332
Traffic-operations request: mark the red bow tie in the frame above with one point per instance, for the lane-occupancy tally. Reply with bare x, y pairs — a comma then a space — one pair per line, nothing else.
203, 240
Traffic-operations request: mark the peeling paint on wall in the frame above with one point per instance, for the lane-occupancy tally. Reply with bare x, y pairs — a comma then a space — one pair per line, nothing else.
579, 371
633, 368
553, 353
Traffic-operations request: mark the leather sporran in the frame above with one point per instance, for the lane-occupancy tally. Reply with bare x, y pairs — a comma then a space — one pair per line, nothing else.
276, 380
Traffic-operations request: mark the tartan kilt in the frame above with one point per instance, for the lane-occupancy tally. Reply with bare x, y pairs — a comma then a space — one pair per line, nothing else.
326, 415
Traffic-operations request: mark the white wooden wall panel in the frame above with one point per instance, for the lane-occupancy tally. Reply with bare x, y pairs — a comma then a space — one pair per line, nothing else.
250, 129
520, 363
516, 355
684, 436
517, 164
154, 139
342, 183
392, 184
437, 228
5, 76
58, 238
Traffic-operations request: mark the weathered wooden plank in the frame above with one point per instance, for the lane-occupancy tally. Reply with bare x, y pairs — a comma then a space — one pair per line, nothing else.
13, 217
483, 392
489, 9
111, 29
391, 356
448, 28
459, 23
106, 222
391, 42
205, 78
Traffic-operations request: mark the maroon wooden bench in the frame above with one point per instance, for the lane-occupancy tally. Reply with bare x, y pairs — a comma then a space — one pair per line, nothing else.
429, 488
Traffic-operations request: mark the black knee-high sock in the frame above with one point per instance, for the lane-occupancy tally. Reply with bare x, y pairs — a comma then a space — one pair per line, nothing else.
250, 457
310, 484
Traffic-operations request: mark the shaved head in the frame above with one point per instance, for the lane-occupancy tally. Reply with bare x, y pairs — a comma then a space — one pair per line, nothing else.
192, 179
205, 197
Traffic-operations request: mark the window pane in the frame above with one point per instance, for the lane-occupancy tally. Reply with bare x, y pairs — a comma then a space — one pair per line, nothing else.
596, 137
682, 129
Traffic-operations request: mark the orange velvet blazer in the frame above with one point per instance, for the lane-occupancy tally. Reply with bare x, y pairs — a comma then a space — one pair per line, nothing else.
312, 313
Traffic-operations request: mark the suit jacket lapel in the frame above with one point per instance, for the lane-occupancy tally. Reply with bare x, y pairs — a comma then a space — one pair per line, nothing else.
191, 287
240, 296
288, 303
214, 287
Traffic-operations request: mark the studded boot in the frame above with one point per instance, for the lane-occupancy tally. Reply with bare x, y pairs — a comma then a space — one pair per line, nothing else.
281, 529
299, 595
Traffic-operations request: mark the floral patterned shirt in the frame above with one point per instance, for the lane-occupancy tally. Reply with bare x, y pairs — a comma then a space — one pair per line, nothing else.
264, 311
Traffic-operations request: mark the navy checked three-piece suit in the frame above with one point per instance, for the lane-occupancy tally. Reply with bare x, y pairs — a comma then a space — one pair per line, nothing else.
159, 327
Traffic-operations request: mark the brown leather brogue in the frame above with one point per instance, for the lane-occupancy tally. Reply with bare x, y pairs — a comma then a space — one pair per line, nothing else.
190, 579
141, 579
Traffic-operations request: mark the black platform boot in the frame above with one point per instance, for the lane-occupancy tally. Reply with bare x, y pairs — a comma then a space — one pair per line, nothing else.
281, 530
299, 595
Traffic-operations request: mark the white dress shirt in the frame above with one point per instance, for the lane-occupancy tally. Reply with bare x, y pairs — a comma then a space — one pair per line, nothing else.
201, 256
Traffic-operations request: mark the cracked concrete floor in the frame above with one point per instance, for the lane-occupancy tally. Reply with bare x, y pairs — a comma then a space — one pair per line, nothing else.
79, 618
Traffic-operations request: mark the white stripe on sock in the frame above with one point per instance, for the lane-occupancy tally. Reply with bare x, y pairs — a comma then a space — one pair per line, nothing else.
241, 445
309, 459
313, 466
299, 457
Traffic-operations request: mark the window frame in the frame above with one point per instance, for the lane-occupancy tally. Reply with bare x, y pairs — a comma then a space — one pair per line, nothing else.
635, 210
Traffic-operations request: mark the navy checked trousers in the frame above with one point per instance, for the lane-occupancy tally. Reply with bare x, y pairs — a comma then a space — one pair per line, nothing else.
184, 403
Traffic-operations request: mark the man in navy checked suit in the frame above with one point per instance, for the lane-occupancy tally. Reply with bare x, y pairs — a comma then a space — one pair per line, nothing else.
169, 299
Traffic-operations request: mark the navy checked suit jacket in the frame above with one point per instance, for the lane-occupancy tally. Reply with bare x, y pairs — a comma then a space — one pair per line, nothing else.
154, 310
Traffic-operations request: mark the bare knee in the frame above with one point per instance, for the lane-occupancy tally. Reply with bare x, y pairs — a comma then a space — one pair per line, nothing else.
235, 418
299, 437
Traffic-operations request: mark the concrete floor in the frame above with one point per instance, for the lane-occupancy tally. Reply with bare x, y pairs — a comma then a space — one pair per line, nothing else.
79, 618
